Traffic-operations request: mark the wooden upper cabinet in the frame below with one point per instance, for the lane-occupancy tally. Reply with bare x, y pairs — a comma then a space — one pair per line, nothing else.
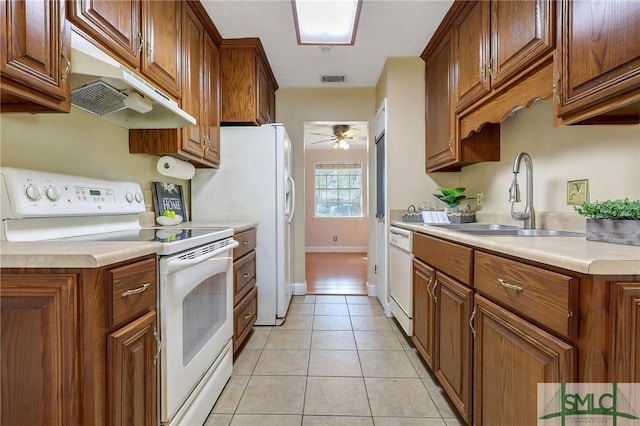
200, 65
439, 115
144, 34
248, 84
497, 40
598, 67
34, 52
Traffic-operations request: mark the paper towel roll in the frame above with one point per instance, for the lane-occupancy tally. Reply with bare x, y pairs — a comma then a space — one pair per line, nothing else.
172, 167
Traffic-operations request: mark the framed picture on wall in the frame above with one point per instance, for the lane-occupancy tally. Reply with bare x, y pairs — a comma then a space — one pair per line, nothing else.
168, 196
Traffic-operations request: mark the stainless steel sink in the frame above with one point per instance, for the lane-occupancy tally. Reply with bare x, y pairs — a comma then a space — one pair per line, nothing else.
519, 232
475, 226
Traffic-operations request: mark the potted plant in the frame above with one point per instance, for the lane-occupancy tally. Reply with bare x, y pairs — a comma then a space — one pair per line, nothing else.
451, 197
612, 221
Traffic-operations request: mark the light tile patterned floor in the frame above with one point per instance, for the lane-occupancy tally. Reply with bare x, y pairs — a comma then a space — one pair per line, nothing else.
337, 360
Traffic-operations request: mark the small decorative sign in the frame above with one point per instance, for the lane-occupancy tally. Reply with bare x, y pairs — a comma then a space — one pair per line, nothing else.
168, 196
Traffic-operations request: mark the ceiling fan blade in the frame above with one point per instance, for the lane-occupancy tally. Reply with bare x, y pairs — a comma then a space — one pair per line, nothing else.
320, 134
322, 141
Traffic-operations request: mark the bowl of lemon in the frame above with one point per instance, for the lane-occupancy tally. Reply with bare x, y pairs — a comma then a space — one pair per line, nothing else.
169, 218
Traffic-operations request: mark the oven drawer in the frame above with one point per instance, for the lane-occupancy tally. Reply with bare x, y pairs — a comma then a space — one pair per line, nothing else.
244, 316
247, 240
546, 297
244, 276
133, 291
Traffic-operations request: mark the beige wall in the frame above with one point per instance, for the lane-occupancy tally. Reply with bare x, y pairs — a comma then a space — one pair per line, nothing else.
294, 107
609, 156
75, 143
352, 232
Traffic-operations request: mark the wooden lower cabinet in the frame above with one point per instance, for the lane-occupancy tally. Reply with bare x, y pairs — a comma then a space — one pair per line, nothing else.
625, 297
511, 356
133, 397
424, 310
73, 351
245, 291
453, 348
39, 373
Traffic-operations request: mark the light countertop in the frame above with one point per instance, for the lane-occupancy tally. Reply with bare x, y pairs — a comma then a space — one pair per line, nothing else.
89, 254
571, 253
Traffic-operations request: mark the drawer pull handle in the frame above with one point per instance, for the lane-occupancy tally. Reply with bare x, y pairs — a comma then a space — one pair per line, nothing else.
473, 315
249, 315
159, 347
245, 275
505, 284
244, 243
138, 290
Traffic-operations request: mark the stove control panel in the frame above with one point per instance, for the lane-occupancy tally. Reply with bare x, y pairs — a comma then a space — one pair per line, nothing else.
31, 193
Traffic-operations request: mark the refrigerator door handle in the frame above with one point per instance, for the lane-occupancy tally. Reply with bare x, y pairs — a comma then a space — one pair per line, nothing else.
292, 198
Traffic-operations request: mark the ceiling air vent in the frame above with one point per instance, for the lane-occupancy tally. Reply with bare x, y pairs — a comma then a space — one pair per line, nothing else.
333, 78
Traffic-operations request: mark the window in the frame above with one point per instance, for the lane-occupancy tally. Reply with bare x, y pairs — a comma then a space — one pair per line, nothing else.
338, 189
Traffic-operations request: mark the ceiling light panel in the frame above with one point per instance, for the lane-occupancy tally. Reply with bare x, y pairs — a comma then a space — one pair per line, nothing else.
326, 21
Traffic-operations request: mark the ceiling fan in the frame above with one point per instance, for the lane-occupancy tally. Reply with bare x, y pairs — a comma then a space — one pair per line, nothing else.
341, 134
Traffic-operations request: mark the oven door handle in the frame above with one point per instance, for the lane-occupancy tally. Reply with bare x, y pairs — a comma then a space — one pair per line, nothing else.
175, 265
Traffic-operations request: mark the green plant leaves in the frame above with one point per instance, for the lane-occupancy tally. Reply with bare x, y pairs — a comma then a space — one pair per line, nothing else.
451, 196
611, 209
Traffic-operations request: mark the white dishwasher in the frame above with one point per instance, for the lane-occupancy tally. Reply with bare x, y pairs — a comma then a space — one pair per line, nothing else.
401, 277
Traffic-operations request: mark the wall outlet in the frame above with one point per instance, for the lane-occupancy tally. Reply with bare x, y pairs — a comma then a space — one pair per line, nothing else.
479, 199
335, 238
577, 191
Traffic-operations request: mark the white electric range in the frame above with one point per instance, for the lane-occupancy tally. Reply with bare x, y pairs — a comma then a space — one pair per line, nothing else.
195, 274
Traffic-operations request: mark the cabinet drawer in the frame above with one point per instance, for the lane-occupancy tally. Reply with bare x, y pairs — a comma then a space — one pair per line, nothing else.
133, 291
244, 316
247, 240
452, 259
545, 297
244, 276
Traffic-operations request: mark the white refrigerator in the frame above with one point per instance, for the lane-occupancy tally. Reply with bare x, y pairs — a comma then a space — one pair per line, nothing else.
255, 183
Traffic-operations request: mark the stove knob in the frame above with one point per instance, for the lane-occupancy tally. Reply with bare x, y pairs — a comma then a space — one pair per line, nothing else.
53, 193
129, 197
139, 197
33, 192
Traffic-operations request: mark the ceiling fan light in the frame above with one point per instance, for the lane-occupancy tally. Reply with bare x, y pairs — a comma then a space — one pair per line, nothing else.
343, 144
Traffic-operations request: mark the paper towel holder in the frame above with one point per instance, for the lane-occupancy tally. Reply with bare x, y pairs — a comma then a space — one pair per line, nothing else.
174, 167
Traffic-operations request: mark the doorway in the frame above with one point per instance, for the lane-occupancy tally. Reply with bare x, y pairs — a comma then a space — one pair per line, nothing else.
336, 207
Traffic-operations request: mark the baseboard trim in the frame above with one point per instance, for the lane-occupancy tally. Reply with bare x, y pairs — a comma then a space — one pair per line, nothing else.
299, 289
331, 249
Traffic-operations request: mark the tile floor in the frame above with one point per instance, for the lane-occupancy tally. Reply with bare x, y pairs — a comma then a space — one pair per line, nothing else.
337, 360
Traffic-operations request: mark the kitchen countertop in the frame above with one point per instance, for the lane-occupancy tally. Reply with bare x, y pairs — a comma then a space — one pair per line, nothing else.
571, 253
90, 254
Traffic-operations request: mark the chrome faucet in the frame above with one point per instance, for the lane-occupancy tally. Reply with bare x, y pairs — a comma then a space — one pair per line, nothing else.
529, 214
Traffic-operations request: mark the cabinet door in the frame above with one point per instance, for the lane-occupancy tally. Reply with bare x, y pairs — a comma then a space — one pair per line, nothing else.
440, 146
423, 310
161, 51
192, 84
471, 44
511, 357
34, 48
453, 346
600, 55
211, 122
626, 332
39, 340
521, 32
132, 373
264, 98
113, 24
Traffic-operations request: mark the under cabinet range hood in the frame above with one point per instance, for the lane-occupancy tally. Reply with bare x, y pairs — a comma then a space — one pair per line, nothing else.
104, 87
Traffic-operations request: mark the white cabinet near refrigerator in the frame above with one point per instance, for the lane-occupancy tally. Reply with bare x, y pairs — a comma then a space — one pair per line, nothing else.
255, 183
